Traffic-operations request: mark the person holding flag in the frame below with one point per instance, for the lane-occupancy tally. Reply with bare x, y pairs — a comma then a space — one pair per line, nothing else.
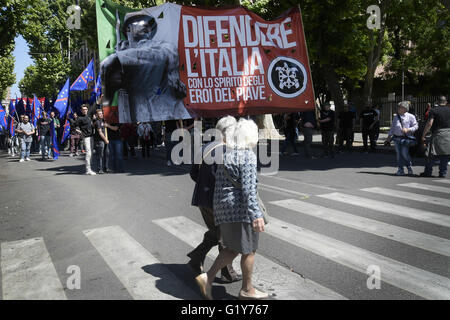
57, 124
3, 126
36, 115
55, 147
44, 135
25, 131
66, 131
2, 137
75, 135
12, 140
87, 131
3, 117
101, 142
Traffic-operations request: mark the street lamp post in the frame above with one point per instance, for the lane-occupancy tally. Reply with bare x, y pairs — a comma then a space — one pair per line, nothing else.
403, 80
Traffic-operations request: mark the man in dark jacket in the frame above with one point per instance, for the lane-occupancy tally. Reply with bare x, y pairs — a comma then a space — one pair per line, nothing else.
204, 177
44, 135
326, 124
87, 132
290, 126
439, 148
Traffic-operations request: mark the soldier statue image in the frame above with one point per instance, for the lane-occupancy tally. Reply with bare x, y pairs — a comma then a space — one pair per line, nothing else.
145, 72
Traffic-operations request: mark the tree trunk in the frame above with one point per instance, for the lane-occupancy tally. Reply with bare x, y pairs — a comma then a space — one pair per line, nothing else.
333, 85
374, 56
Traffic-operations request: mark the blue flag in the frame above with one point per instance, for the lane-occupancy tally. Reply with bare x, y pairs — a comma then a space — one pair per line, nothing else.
12, 107
12, 130
36, 110
66, 131
47, 105
98, 87
62, 99
29, 109
26, 106
20, 107
55, 147
3, 118
81, 83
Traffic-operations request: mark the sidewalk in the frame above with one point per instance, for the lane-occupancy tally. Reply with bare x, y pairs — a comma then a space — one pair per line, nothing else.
357, 143
317, 144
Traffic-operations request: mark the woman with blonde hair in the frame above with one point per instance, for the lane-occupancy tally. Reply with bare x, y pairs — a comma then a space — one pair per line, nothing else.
236, 210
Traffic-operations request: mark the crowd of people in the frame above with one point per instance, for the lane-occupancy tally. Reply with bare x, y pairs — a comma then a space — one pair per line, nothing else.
405, 132
104, 145
112, 143
344, 127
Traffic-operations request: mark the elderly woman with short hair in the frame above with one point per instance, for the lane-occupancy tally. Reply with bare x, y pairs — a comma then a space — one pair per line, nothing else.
236, 211
402, 131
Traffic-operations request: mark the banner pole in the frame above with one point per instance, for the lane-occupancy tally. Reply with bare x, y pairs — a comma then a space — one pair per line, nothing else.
307, 56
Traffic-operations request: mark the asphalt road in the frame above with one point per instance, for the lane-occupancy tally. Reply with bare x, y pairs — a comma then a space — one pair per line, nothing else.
128, 234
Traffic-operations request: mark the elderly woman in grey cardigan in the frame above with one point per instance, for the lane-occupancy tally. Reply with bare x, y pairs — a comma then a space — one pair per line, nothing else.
236, 210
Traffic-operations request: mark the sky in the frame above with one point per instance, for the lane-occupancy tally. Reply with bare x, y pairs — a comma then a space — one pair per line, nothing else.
23, 60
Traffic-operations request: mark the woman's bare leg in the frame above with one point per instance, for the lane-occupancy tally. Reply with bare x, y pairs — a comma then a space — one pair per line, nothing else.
225, 257
247, 263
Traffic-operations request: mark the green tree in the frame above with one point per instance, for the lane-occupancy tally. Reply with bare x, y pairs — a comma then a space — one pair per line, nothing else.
45, 78
7, 75
12, 13
48, 39
419, 44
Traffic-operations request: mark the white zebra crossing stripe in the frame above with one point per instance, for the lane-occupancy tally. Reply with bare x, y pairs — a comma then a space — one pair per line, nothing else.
442, 181
420, 282
409, 196
412, 213
381, 229
28, 272
427, 187
126, 257
284, 191
267, 275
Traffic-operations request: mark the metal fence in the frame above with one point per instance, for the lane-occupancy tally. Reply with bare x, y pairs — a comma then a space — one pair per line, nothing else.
389, 108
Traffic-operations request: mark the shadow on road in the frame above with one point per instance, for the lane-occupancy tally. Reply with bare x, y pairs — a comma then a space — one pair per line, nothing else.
355, 160
63, 170
387, 174
131, 167
183, 274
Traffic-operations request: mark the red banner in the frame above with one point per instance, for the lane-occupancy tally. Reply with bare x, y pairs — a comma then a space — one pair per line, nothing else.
234, 62
179, 62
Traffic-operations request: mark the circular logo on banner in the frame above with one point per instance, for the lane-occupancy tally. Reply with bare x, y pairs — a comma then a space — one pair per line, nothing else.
287, 77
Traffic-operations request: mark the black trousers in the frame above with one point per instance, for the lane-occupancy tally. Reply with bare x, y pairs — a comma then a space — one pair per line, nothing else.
128, 147
145, 144
211, 238
346, 134
371, 134
328, 142
102, 155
